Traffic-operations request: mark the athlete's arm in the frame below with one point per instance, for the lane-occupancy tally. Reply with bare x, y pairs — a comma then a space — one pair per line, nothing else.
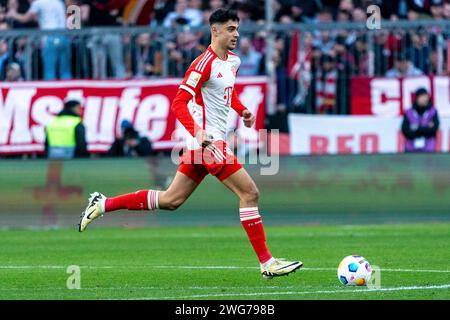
181, 111
236, 104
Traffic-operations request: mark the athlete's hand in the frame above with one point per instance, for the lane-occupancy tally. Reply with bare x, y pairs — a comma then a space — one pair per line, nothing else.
203, 138
249, 118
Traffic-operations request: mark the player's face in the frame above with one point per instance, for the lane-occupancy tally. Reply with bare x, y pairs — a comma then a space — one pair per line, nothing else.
228, 34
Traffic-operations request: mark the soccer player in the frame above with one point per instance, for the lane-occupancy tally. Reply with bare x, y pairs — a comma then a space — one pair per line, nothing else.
209, 82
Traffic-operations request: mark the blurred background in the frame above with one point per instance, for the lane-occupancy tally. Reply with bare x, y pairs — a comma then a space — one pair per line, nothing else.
354, 96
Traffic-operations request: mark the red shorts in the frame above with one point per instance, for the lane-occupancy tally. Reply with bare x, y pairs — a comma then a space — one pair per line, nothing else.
197, 164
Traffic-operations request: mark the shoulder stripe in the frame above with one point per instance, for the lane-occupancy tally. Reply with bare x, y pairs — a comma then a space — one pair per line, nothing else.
198, 60
206, 63
202, 61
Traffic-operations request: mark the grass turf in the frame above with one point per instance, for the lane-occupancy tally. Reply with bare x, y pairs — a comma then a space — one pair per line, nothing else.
218, 262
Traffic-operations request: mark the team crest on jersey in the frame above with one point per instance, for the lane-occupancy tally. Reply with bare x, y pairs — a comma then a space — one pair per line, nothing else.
193, 79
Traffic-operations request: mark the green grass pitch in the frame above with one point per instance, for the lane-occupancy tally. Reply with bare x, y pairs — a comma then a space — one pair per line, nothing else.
218, 262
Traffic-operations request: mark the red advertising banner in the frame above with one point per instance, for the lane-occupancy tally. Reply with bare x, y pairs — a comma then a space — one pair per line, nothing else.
27, 107
392, 96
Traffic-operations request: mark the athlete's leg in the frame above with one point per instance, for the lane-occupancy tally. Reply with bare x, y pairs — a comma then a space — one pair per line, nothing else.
177, 193
179, 190
245, 188
185, 182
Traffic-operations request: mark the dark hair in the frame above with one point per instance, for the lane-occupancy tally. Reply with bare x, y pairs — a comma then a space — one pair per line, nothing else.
130, 133
326, 58
421, 91
222, 16
71, 104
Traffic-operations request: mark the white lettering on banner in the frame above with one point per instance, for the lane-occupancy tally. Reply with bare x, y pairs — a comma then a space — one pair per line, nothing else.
356, 134
151, 118
410, 86
91, 117
43, 111
129, 101
385, 89
109, 111
389, 97
14, 114
442, 95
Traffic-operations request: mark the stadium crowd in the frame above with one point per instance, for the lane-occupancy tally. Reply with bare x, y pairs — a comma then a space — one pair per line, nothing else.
327, 61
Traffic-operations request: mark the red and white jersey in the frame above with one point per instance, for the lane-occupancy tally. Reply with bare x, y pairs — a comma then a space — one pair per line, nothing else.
210, 80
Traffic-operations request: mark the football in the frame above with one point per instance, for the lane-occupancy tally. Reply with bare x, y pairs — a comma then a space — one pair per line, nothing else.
354, 271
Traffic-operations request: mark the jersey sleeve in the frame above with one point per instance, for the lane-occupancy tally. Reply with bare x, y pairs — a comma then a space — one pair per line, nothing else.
197, 74
236, 103
181, 111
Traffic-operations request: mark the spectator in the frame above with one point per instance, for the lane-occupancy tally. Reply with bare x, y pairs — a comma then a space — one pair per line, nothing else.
300, 68
359, 15
194, 17
360, 55
394, 10
326, 79
325, 38
344, 66
305, 10
346, 5
2, 14
420, 124
182, 52
437, 9
13, 72
250, 58
403, 67
146, 57
21, 6
244, 13
56, 50
413, 15
216, 4
420, 51
104, 46
447, 10
65, 135
421, 8
160, 11
21, 56
4, 56
382, 52
343, 16
130, 144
